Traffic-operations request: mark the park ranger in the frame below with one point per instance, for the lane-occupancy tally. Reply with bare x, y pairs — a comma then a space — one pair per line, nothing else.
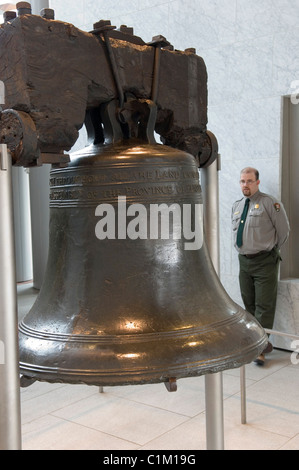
260, 227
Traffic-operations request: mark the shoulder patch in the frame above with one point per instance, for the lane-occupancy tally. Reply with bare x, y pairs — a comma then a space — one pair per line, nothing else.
277, 207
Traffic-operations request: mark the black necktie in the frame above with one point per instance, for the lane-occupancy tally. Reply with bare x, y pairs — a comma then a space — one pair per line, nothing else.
242, 224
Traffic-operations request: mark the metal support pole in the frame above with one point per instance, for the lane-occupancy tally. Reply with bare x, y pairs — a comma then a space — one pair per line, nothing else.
10, 420
280, 333
214, 382
39, 201
210, 192
214, 412
243, 376
243, 394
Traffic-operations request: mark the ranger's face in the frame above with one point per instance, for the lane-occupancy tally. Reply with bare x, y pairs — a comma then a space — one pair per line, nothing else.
249, 184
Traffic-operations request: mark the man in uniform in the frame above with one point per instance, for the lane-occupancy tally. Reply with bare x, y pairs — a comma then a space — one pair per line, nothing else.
260, 227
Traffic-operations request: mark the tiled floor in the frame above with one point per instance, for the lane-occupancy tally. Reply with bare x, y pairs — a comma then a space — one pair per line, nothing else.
149, 417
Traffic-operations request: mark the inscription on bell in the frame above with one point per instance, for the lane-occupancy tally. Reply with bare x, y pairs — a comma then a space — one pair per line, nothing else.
124, 176
77, 179
134, 183
129, 191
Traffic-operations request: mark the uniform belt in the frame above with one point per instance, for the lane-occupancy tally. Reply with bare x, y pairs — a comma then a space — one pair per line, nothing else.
255, 255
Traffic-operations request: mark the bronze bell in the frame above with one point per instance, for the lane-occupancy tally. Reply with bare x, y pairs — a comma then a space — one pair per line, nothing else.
122, 301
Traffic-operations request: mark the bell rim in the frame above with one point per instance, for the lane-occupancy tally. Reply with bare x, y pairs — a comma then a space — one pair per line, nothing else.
125, 368
140, 375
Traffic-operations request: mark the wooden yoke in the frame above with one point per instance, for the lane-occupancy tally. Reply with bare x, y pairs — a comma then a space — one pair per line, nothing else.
58, 77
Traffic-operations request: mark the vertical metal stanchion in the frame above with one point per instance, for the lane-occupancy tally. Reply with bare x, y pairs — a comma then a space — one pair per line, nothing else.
243, 394
39, 200
213, 382
214, 412
10, 408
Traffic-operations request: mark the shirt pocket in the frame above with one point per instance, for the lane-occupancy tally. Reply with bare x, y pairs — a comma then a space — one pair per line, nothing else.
236, 221
257, 218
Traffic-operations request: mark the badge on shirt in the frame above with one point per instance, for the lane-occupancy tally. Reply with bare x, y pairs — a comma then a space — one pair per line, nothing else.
277, 207
257, 206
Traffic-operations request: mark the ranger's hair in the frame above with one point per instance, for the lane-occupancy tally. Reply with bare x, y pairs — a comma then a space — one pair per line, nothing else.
248, 169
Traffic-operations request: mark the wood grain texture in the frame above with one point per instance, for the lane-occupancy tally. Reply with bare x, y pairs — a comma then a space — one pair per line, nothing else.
55, 72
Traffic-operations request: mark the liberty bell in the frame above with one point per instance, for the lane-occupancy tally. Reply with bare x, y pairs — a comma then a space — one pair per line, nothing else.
130, 295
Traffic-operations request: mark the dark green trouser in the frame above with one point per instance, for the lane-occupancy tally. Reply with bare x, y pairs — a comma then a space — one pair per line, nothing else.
258, 283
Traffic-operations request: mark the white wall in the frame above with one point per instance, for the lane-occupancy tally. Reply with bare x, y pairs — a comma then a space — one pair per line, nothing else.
251, 49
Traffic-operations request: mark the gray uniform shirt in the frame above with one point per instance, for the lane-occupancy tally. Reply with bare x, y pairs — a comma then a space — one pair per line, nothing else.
266, 225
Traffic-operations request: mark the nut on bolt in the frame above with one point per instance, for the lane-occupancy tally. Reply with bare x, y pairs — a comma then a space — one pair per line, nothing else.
102, 26
159, 41
23, 8
47, 13
126, 29
9, 16
192, 50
